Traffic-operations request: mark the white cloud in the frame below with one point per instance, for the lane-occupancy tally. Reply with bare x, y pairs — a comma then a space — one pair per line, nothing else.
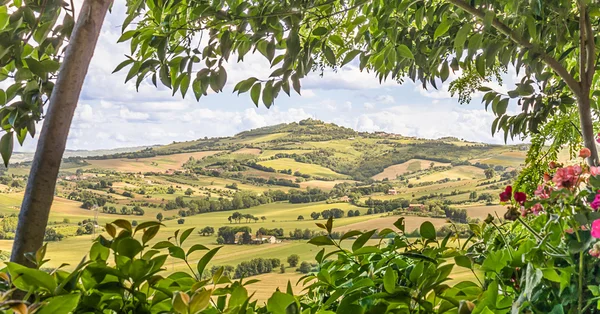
127, 114
385, 99
369, 106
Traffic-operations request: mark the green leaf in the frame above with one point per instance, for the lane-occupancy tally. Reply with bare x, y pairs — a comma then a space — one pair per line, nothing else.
129, 247
163, 245
321, 240
463, 261
444, 71
360, 241
184, 84
337, 40
4, 18
221, 78
149, 234
185, 234
122, 65
177, 252
404, 52
500, 107
244, 85
389, 280
6, 147
427, 231
255, 93
350, 56
461, 36
267, 95
206, 259
295, 83
442, 29
60, 304
531, 27
329, 55
350, 233
127, 35
27, 279
279, 301
488, 19
35, 67
320, 31
196, 247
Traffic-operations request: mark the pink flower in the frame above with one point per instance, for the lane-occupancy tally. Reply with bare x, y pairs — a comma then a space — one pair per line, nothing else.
520, 197
567, 177
596, 202
506, 195
585, 152
569, 231
594, 171
596, 229
594, 252
537, 209
552, 165
598, 138
541, 192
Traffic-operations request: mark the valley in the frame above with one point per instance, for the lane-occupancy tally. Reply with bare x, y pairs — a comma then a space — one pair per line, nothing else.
278, 180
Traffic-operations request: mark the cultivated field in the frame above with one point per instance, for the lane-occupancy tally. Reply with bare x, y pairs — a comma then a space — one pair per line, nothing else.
412, 165
311, 169
152, 164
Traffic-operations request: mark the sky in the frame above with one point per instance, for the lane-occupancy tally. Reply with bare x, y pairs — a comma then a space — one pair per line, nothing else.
112, 114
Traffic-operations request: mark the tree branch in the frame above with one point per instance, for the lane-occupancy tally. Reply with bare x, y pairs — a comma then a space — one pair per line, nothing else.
582, 48
591, 48
504, 29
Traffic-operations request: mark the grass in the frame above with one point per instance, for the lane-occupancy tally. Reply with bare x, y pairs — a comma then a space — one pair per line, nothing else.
311, 169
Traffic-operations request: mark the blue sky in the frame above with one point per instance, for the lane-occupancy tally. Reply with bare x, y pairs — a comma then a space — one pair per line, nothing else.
112, 114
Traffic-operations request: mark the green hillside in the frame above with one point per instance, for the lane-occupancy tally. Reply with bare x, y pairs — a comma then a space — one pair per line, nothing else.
284, 177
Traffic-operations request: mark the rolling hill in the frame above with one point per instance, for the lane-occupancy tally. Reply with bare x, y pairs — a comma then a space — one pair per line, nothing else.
285, 176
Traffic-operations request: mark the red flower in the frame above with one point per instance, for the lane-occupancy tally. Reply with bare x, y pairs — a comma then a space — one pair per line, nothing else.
547, 177
596, 229
552, 165
520, 197
585, 152
506, 195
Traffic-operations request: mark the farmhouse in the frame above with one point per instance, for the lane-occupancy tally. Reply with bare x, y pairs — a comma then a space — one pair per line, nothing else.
345, 198
264, 239
260, 239
392, 192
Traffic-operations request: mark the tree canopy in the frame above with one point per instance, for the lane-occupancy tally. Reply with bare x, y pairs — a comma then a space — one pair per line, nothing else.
551, 44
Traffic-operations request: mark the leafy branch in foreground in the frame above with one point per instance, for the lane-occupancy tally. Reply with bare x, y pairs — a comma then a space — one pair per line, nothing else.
420, 40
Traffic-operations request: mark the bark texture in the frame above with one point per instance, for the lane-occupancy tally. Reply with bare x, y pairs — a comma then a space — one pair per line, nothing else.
39, 193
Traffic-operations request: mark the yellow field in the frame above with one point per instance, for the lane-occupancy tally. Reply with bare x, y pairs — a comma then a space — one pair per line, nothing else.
412, 165
248, 151
507, 159
323, 185
152, 164
311, 169
481, 211
460, 172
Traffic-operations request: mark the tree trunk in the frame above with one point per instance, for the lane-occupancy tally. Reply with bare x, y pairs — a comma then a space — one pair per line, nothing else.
587, 129
39, 194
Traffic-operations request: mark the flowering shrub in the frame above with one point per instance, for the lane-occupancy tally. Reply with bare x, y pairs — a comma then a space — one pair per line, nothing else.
547, 260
